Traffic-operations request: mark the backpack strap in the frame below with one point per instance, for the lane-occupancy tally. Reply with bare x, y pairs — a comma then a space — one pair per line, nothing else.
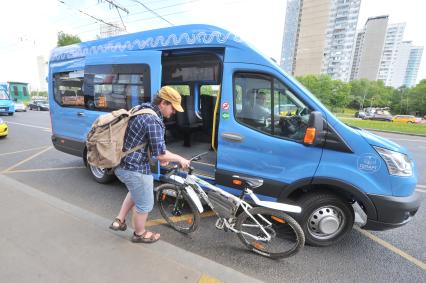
134, 112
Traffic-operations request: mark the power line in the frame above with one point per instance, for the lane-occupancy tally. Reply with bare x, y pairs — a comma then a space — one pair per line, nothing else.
112, 4
144, 12
93, 17
152, 11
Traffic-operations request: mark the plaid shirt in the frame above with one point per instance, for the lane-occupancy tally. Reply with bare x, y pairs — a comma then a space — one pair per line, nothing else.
145, 128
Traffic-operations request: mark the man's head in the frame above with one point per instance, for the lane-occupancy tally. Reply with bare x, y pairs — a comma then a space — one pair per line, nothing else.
168, 100
261, 97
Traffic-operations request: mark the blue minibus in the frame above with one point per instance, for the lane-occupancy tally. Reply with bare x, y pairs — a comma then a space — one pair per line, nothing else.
6, 103
252, 118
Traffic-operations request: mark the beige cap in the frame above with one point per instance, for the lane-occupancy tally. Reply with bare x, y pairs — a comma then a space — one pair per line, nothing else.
172, 96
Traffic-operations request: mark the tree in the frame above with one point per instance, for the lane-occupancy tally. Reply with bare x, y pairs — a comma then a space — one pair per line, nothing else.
67, 39
417, 99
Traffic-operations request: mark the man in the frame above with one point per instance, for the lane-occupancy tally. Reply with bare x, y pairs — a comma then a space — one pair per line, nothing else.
134, 170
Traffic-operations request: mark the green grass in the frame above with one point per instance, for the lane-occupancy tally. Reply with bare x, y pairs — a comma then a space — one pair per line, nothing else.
419, 129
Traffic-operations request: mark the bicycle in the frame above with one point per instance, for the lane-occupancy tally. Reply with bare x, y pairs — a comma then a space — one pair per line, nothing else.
265, 229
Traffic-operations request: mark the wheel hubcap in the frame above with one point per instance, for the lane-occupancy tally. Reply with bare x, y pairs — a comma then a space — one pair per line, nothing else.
325, 222
97, 172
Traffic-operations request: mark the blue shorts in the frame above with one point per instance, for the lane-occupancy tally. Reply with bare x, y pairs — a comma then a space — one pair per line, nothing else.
140, 186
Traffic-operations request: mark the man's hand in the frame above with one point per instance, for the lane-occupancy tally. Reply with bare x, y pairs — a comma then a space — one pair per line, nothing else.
184, 163
164, 163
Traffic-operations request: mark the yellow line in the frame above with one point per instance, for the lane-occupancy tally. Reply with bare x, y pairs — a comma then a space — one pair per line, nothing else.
208, 279
19, 151
160, 221
42, 170
392, 248
28, 159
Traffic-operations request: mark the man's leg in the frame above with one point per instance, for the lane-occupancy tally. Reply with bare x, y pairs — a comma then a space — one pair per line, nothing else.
125, 207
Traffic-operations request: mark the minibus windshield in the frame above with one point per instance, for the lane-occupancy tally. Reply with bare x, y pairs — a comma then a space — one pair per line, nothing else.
3, 95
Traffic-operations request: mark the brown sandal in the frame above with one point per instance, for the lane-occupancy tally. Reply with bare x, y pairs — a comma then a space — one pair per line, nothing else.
143, 239
122, 226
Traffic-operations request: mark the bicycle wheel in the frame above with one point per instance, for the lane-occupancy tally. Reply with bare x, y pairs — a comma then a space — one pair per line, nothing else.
177, 208
286, 235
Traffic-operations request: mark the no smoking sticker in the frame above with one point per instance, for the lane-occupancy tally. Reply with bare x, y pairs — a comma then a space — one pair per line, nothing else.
225, 106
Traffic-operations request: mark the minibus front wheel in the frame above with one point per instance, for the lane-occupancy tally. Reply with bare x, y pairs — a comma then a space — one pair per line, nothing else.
325, 218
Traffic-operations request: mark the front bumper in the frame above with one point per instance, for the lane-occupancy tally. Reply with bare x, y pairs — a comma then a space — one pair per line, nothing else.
392, 211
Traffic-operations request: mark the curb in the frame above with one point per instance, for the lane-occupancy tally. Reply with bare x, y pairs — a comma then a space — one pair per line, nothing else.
210, 270
393, 132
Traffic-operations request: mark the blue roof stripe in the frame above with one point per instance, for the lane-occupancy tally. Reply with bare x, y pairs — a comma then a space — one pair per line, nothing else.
173, 37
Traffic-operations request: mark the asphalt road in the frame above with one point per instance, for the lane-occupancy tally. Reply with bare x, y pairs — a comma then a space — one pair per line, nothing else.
397, 255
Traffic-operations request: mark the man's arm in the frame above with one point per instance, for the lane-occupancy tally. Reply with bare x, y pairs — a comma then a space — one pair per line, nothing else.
168, 156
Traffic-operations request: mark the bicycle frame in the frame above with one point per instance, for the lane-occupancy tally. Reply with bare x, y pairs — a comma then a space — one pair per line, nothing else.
193, 186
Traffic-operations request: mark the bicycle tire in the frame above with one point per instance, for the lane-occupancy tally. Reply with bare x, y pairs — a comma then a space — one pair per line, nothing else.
284, 230
177, 208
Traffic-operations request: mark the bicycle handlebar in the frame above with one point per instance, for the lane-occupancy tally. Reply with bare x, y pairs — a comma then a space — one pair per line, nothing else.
173, 170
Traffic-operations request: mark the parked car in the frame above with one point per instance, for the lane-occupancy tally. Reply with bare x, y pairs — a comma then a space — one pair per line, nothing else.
40, 105
360, 114
420, 120
3, 128
20, 107
379, 114
404, 119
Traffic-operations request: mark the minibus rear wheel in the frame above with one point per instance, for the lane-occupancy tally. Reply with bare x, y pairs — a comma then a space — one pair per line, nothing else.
100, 175
325, 218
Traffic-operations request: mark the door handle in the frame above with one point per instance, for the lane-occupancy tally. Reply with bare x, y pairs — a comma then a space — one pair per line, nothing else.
232, 137
81, 114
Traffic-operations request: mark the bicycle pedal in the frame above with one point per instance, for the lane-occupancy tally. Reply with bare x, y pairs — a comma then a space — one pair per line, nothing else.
220, 224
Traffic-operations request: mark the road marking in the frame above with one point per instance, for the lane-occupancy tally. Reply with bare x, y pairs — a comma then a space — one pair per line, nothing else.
208, 279
392, 248
28, 125
421, 186
42, 170
19, 151
421, 191
28, 159
161, 221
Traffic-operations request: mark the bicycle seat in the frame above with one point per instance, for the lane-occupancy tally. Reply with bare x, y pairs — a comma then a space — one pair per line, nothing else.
250, 182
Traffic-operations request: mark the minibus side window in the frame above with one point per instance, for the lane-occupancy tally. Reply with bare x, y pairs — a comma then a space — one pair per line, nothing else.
252, 100
265, 104
112, 87
68, 89
291, 115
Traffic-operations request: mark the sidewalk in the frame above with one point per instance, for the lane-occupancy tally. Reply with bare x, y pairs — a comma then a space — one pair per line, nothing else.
44, 239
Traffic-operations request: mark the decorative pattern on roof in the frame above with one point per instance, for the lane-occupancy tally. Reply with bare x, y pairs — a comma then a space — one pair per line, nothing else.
122, 43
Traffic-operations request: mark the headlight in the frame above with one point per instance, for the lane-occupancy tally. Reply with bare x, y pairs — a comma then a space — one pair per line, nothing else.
1, 121
398, 164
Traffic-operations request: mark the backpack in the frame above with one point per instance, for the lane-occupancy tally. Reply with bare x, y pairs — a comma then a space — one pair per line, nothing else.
105, 139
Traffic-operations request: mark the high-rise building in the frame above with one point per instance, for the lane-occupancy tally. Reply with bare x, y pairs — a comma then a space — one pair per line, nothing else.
357, 53
290, 34
341, 33
413, 65
42, 73
390, 56
319, 36
368, 52
399, 65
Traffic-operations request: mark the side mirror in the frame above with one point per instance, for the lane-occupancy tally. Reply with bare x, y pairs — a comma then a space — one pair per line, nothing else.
313, 134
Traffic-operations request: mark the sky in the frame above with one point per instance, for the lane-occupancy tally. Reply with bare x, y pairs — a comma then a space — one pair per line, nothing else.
29, 28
